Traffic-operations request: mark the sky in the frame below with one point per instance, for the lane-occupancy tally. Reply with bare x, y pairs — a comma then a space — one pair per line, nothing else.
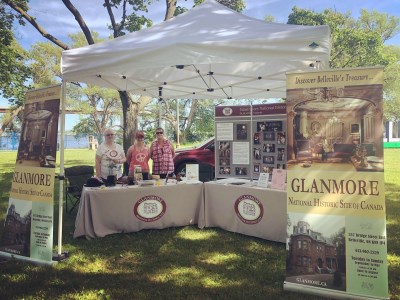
58, 21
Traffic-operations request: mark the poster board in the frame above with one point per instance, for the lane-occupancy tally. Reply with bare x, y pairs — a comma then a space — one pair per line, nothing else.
28, 227
336, 243
250, 140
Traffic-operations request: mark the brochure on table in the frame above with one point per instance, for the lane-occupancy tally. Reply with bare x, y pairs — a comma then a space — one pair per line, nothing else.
250, 140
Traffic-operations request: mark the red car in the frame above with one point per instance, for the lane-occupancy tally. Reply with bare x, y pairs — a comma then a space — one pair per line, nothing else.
203, 155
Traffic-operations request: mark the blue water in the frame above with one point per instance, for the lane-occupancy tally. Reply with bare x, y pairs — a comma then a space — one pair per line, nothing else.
11, 141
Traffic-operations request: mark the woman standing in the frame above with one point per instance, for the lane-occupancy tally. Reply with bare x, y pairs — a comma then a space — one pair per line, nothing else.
138, 155
162, 153
109, 157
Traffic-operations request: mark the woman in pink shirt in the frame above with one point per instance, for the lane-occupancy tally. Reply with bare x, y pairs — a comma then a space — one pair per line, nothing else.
138, 155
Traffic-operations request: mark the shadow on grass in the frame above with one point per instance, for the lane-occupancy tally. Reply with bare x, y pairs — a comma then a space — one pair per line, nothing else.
174, 263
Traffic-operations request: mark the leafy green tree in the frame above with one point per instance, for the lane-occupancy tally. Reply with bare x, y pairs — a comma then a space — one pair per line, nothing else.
360, 43
14, 72
355, 43
132, 18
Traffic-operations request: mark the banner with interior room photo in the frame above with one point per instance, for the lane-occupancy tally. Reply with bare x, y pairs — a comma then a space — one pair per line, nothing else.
336, 239
28, 227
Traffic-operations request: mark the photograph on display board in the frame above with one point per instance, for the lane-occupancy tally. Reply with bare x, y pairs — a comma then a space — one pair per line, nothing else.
273, 126
225, 170
264, 169
224, 149
281, 138
281, 154
270, 148
240, 171
260, 126
257, 168
316, 251
224, 161
278, 166
37, 147
269, 136
18, 228
257, 153
256, 139
268, 159
241, 131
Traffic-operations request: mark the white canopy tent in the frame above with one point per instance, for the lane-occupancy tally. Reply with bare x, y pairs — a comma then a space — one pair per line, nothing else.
209, 52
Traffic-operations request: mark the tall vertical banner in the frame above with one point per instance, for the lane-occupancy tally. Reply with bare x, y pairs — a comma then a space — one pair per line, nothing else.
28, 228
336, 231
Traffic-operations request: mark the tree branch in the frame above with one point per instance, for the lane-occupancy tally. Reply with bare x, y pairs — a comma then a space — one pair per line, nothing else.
80, 21
39, 28
170, 11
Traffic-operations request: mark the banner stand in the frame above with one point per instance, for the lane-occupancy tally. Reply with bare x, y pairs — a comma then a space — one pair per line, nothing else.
60, 255
315, 291
10, 256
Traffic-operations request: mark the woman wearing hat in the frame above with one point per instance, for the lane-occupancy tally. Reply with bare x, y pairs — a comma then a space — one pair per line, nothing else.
138, 155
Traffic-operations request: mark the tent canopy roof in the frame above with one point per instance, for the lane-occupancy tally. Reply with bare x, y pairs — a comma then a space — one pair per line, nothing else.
208, 52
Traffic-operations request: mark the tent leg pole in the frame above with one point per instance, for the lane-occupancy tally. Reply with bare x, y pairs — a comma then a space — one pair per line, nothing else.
61, 175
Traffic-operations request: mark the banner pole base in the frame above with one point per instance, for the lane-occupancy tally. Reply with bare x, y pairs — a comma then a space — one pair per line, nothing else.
60, 257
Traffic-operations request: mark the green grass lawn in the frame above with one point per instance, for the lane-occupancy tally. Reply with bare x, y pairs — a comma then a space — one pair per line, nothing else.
173, 263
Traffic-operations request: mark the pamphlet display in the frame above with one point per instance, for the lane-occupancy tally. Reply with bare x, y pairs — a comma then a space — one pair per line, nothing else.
250, 140
278, 180
192, 173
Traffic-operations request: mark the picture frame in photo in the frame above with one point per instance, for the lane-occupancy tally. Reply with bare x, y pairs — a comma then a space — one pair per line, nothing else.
268, 159
269, 136
281, 140
257, 153
274, 125
260, 126
256, 139
355, 128
241, 131
225, 170
240, 171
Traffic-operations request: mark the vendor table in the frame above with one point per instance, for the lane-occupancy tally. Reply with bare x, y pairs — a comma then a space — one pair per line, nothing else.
245, 209
104, 211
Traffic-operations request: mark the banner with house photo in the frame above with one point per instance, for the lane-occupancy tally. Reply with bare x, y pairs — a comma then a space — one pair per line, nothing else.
28, 228
336, 239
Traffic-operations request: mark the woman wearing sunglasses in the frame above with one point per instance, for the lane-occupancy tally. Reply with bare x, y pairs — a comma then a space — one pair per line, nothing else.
162, 153
109, 157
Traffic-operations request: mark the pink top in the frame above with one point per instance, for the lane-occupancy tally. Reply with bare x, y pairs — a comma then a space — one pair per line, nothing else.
139, 158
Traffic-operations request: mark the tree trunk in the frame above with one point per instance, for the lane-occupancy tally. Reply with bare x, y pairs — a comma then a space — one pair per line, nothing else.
170, 11
129, 123
190, 119
9, 119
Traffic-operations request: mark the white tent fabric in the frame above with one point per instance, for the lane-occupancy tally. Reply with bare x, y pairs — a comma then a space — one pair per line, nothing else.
209, 52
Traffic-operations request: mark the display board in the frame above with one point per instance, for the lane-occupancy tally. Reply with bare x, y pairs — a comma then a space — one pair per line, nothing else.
28, 227
336, 244
250, 139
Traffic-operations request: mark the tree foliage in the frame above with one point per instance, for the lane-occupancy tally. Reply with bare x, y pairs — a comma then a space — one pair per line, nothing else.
354, 43
237, 5
14, 72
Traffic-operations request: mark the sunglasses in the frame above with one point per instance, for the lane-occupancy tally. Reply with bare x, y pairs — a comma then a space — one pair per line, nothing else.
159, 132
110, 134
